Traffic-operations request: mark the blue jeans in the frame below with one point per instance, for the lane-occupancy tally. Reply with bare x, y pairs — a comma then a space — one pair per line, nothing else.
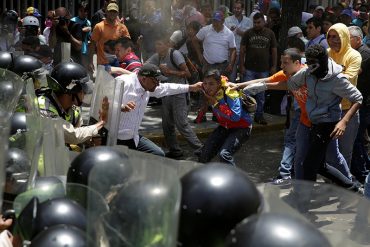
367, 186
260, 97
332, 153
286, 163
234, 72
145, 145
360, 158
225, 142
348, 139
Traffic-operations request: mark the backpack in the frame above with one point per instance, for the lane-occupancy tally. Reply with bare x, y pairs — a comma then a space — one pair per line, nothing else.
194, 78
249, 104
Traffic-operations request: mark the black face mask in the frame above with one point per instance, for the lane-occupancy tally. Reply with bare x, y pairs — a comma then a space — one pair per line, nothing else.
318, 67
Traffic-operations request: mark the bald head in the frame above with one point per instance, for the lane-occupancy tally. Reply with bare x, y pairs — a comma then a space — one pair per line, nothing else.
61, 11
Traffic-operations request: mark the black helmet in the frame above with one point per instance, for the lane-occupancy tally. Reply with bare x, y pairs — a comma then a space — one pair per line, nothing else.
131, 209
273, 229
60, 236
18, 123
25, 64
69, 77
17, 169
6, 60
214, 199
36, 217
106, 159
101, 159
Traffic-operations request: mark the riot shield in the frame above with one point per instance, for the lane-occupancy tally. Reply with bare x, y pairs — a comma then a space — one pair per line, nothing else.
143, 210
342, 215
10, 90
106, 105
55, 153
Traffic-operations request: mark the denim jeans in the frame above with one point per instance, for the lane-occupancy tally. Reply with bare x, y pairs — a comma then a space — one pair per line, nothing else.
360, 158
260, 97
314, 162
347, 141
145, 145
286, 163
367, 186
225, 142
234, 72
332, 153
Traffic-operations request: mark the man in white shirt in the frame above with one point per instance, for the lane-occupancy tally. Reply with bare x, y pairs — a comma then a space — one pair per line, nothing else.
219, 49
238, 24
137, 90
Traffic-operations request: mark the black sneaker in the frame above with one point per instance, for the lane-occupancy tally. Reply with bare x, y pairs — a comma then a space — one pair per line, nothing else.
174, 155
260, 120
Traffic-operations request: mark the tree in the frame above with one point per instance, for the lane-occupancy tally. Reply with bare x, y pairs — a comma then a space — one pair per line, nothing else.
291, 16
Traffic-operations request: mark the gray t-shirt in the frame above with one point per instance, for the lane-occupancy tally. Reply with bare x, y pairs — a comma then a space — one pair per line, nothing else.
178, 58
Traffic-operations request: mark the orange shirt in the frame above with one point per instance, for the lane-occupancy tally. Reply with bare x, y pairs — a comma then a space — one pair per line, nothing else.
300, 95
104, 31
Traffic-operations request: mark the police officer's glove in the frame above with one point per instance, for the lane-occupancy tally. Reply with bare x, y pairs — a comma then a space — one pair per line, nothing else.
255, 88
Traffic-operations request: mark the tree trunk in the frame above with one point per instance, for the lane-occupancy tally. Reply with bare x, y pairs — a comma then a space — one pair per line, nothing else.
291, 16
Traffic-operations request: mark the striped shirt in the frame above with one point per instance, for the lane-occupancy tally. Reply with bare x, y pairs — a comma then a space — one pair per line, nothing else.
131, 63
133, 91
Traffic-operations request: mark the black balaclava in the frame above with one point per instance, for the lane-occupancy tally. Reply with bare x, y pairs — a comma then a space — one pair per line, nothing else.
318, 65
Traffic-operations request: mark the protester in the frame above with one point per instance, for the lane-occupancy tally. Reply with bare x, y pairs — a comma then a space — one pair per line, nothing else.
137, 90
235, 123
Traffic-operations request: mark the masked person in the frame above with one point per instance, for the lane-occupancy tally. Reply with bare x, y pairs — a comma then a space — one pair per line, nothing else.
326, 86
68, 84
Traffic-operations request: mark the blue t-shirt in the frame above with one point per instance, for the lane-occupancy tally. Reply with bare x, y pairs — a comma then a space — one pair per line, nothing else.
85, 36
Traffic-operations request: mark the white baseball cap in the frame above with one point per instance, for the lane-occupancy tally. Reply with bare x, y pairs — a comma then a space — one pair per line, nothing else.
294, 31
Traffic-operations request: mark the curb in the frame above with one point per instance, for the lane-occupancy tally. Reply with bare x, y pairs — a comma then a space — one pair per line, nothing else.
203, 133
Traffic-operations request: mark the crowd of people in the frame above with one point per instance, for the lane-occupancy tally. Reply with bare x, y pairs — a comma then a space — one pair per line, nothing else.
210, 59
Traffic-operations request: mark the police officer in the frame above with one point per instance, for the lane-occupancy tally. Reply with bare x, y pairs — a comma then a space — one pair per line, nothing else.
67, 85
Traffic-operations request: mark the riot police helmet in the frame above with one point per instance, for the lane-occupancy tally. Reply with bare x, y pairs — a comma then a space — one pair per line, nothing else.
71, 78
214, 199
18, 123
17, 168
275, 229
25, 64
60, 236
36, 217
6, 60
104, 159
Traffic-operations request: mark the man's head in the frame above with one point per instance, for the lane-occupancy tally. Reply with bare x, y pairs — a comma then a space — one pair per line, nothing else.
162, 44
218, 20
314, 26
70, 82
238, 8
295, 42
83, 9
258, 21
346, 17
295, 32
274, 17
356, 36
30, 44
149, 7
212, 82
123, 47
317, 60
334, 40
150, 76
31, 26
112, 12
319, 11
291, 61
